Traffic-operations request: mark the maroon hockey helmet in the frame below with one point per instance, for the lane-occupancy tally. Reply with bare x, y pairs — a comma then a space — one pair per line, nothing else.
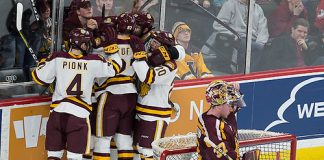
79, 36
145, 21
125, 23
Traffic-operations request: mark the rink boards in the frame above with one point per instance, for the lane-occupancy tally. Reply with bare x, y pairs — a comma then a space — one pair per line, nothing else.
291, 101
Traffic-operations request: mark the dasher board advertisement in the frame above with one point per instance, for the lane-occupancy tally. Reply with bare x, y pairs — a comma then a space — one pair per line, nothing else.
24, 136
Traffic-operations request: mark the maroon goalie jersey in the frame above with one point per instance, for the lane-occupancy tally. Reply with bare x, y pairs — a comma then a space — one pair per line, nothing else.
222, 132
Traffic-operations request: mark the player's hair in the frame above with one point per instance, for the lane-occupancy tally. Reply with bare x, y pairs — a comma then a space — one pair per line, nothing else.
300, 22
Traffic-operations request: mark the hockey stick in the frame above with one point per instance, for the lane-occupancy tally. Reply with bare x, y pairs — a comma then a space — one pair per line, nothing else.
20, 9
216, 19
208, 141
34, 9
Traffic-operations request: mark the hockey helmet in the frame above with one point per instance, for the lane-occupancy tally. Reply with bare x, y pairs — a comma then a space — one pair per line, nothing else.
79, 36
220, 92
144, 21
125, 23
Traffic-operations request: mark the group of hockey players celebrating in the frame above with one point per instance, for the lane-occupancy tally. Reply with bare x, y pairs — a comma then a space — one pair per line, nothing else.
121, 92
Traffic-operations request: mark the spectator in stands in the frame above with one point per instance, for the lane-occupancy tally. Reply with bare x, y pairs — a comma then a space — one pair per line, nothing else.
212, 5
193, 65
109, 8
310, 7
319, 19
234, 13
81, 18
218, 124
290, 50
281, 19
41, 30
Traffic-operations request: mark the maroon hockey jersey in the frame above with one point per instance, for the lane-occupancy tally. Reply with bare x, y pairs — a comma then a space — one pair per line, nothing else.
222, 132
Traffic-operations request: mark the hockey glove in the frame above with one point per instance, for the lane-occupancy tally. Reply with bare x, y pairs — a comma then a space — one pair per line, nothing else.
108, 39
138, 48
140, 56
159, 56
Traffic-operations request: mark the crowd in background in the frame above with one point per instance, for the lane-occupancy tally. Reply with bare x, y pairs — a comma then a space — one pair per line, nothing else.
287, 36
212, 48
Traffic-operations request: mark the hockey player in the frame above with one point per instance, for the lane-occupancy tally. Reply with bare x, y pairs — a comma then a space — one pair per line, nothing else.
68, 126
156, 72
105, 47
118, 95
218, 125
144, 30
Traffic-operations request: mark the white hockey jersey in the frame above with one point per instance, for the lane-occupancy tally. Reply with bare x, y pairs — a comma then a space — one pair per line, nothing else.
153, 102
74, 77
123, 83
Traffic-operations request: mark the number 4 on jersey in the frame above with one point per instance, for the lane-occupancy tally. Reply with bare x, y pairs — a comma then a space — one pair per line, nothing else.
75, 87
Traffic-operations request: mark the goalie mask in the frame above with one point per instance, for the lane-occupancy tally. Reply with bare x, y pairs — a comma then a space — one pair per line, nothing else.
144, 23
220, 92
125, 23
81, 39
158, 47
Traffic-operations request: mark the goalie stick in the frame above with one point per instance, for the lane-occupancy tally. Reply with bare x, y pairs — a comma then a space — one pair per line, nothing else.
20, 9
